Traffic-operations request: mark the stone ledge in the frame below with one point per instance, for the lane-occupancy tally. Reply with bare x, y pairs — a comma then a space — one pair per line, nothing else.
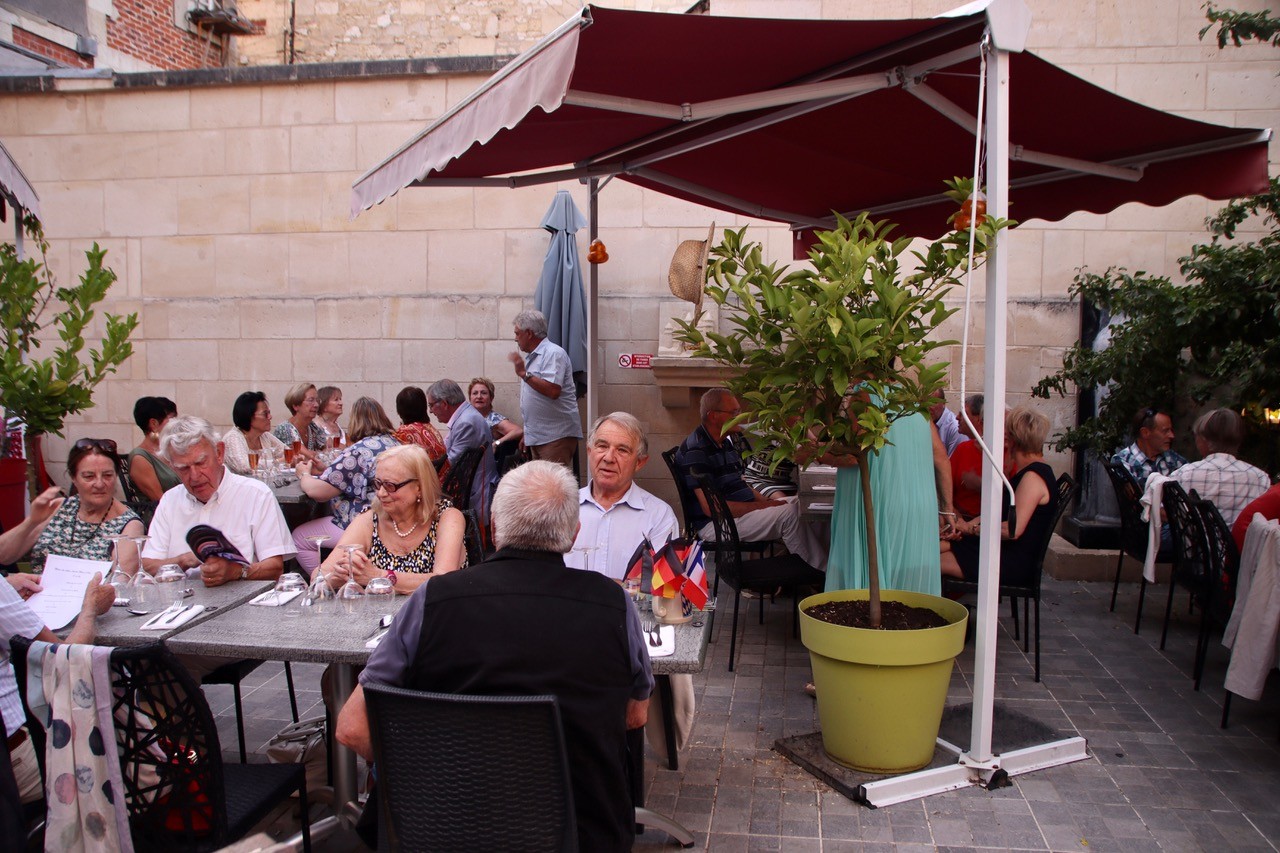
1066, 562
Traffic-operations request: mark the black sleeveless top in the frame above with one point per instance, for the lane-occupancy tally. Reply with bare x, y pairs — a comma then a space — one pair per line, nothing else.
1016, 555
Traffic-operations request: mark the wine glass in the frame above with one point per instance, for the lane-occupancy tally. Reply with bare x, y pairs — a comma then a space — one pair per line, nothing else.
116, 575
138, 542
290, 584
351, 594
319, 597
144, 597
318, 539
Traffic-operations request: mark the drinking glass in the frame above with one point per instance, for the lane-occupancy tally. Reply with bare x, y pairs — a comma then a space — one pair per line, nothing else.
170, 583
380, 595
138, 542
144, 596
291, 582
351, 594
253, 461
632, 587
288, 454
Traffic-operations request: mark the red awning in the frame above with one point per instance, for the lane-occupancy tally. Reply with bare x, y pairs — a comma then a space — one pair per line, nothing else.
791, 119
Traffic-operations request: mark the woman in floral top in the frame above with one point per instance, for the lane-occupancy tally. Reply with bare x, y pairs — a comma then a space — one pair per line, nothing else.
410, 533
304, 405
82, 524
346, 483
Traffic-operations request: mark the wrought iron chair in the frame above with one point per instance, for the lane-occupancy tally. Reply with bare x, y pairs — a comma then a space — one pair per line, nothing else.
1190, 550
456, 485
1222, 567
1133, 532
761, 574
179, 793
462, 772
1030, 590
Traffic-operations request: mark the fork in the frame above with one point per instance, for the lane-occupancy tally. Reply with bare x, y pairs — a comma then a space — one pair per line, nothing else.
651, 631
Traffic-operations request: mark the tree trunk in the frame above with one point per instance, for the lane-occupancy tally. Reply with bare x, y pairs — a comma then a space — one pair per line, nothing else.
37, 478
873, 553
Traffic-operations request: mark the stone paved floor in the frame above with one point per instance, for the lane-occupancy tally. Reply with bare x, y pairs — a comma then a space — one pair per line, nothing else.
1162, 776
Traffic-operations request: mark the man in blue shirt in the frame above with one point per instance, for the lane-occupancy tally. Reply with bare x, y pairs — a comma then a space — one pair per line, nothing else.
1150, 451
709, 449
548, 399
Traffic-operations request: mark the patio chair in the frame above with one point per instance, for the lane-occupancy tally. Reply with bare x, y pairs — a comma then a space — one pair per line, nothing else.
134, 499
474, 542
456, 485
763, 575
1190, 550
1222, 567
1133, 532
1030, 591
459, 772
179, 793
234, 673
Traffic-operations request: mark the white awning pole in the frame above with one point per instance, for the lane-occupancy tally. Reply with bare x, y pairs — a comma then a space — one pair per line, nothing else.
984, 675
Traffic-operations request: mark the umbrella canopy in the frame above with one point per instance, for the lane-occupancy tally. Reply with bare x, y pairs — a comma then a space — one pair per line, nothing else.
559, 294
792, 119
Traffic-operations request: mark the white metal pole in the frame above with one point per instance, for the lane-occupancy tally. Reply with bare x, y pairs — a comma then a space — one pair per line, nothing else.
997, 163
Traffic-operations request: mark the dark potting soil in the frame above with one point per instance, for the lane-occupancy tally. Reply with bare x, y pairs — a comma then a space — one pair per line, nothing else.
894, 615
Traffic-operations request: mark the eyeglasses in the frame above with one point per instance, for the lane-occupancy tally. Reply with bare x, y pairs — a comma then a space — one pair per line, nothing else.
106, 445
379, 484
731, 412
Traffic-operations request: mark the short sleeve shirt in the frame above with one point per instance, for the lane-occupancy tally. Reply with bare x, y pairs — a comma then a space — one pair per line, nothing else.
244, 509
545, 419
67, 535
1141, 467
351, 474
699, 454
15, 618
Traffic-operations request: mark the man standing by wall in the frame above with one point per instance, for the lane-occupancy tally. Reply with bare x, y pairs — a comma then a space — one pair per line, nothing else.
548, 401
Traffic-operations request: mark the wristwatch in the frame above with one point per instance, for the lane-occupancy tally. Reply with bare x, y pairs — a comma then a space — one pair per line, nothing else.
391, 576
244, 573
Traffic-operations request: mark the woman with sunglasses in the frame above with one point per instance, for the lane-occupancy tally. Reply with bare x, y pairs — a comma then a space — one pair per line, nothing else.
150, 474
346, 483
411, 532
82, 524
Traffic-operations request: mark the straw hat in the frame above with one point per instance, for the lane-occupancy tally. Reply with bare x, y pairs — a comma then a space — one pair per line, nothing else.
688, 274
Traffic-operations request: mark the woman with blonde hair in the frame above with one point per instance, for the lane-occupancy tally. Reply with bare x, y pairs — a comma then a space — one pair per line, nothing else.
301, 426
1035, 502
347, 483
410, 532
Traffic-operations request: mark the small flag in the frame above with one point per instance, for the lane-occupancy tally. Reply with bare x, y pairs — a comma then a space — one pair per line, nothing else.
637, 564
695, 576
667, 571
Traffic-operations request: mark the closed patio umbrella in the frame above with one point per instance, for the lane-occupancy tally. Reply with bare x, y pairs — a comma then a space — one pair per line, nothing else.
559, 295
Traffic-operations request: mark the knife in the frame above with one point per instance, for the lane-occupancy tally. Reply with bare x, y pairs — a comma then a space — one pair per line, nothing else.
171, 619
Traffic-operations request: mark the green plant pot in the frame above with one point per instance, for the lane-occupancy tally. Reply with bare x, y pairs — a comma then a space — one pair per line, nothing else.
881, 693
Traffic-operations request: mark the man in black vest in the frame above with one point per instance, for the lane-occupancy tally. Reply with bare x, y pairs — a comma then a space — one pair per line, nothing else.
501, 628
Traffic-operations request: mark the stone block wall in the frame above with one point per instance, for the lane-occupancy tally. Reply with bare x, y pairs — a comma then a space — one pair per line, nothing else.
224, 209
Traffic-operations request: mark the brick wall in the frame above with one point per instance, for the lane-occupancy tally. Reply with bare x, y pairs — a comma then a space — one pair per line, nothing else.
44, 47
145, 29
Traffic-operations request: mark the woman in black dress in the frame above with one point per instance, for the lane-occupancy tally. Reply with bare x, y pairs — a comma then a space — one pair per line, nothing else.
1035, 492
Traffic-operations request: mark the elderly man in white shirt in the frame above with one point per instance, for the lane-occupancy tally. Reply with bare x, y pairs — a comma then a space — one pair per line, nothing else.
615, 514
1219, 477
243, 509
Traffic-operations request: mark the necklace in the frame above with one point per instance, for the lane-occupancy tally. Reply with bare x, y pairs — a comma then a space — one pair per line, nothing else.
92, 527
402, 534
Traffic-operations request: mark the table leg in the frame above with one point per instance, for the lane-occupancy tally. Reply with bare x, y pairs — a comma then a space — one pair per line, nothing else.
662, 683
344, 760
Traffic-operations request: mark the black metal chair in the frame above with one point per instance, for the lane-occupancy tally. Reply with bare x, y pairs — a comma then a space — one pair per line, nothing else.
134, 499
462, 772
235, 672
761, 574
1190, 550
1222, 568
1133, 532
179, 793
1030, 590
456, 485
474, 542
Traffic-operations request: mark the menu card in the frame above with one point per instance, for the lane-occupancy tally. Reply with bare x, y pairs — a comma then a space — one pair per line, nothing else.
64, 581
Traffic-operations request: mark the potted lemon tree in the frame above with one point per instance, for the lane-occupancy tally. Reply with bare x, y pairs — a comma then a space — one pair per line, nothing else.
830, 356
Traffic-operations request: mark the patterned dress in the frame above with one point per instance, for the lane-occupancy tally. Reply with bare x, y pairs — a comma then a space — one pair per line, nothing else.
351, 474
67, 535
317, 438
420, 560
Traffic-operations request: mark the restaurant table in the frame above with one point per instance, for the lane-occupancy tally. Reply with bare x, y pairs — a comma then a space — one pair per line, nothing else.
290, 492
119, 627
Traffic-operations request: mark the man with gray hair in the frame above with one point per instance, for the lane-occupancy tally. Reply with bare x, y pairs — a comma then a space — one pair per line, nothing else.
1219, 477
467, 430
244, 509
522, 623
617, 515
548, 399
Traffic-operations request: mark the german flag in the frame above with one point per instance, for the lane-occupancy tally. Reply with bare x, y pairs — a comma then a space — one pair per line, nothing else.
668, 571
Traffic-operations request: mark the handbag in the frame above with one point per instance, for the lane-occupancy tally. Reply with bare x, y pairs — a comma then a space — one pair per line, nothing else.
303, 742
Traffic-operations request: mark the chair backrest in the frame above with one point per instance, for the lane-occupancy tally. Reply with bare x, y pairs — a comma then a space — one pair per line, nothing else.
1222, 557
456, 484
170, 756
688, 502
728, 548
1133, 530
462, 772
1186, 528
472, 539
134, 499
